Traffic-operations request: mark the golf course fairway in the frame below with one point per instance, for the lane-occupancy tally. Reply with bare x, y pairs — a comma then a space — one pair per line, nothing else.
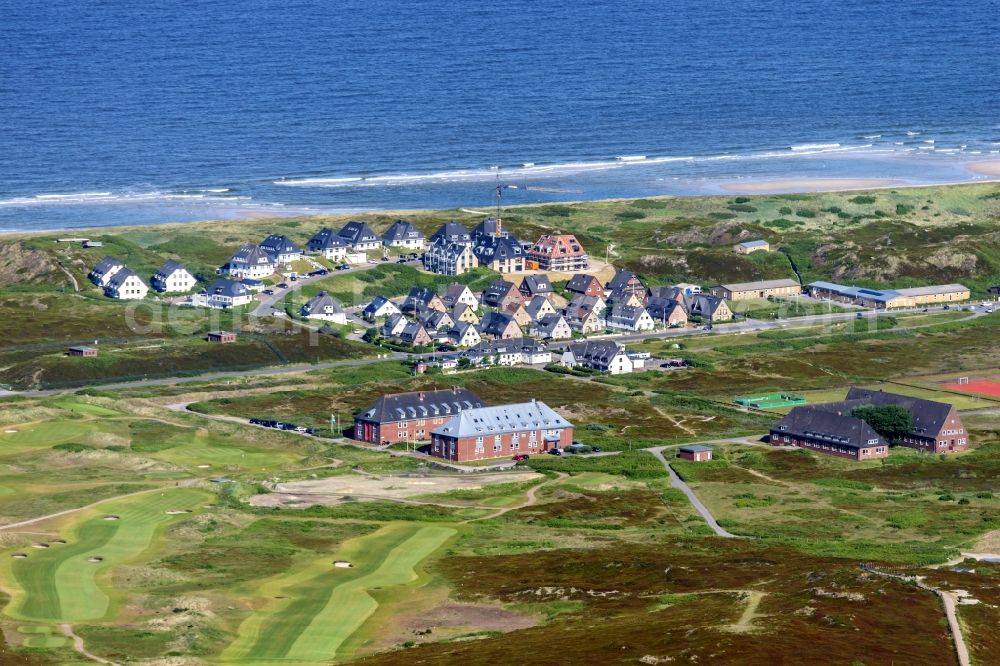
323, 605
65, 582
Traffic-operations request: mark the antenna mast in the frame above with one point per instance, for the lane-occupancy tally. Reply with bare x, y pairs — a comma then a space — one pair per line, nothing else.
499, 194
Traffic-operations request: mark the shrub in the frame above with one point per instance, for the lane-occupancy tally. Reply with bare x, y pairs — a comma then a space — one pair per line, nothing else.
785, 210
903, 209
742, 208
805, 212
863, 199
626, 215
740, 200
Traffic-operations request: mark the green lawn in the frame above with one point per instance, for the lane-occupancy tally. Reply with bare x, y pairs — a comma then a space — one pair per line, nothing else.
327, 605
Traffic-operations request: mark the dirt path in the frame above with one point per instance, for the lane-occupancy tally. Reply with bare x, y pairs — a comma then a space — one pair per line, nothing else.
678, 483
531, 499
78, 645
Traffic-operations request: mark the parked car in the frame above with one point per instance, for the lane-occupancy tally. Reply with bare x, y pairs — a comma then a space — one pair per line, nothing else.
859, 315
301, 429
256, 421
947, 307
294, 278
283, 285
595, 449
414, 255
519, 457
269, 292
555, 452
322, 271
401, 260
343, 267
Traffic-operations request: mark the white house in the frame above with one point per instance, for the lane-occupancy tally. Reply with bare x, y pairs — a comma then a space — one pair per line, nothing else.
379, 308
394, 325
464, 334
126, 285
554, 327
102, 273
326, 307
224, 294
602, 355
629, 318
459, 293
281, 248
173, 278
403, 234
251, 262
360, 236
329, 245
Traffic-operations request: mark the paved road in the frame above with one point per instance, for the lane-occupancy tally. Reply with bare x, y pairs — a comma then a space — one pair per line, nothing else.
678, 483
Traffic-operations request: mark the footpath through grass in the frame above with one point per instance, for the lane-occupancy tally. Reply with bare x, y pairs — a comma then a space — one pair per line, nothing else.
327, 605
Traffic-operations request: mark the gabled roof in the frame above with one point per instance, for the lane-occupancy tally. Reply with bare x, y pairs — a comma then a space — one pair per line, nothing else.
624, 279
252, 255
704, 305
435, 320
754, 243
599, 351
485, 421
358, 232
582, 306
322, 303
168, 269
105, 265
491, 248
558, 245
420, 404
487, 228
413, 330
627, 313
536, 284
118, 279
547, 324
452, 232
495, 323
442, 247
497, 291
819, 424
580, 282
226, 287
460, 328
455, 291
401, 230
660, 309
278, 244
377, 303
325, 239
929, 416
665, 293
536, 304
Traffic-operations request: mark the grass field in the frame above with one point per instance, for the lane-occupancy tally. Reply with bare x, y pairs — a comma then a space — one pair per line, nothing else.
328, 605
65, 583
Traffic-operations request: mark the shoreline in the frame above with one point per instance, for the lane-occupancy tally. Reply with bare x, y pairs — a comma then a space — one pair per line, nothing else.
762, 188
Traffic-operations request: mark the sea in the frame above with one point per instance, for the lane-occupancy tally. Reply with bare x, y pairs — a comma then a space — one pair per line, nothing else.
121, 112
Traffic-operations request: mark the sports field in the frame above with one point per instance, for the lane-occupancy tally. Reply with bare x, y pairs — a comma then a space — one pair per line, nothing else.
317, 608
982, 387
70, 582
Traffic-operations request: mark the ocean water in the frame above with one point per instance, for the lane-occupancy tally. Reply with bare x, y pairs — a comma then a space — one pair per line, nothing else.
115, 112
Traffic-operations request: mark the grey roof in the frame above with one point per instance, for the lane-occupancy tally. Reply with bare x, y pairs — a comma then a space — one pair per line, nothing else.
454, 292
420, 404
548, 323
629, 313
278, 244
105, 265
435, 320
929, 416
226, 287
487, 228
484, 421
536, 284
760, 285
622, 280
535, 305
445, 249
754, 243
819, 424
703, 305
933, 290
358, 232
497, 291
512, 345
599, 351
580, 282
401, 230
118, 279
412, 331
452, 232
877, 295
581, 306
459, 328
495, 323
377, 303
419, 299
325, 239
492, 248
322, 303
665, 293
252, 255
696, 448
168, 269
660, 309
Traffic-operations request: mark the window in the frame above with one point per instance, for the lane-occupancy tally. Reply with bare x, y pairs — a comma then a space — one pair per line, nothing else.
479, 441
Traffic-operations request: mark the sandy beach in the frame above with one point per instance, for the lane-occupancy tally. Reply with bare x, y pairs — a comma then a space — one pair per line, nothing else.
809, 185
987, 168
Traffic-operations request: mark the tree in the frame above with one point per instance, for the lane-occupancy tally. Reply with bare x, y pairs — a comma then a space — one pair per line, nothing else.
890, 421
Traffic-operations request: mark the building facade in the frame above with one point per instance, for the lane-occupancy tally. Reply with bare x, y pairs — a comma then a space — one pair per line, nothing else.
745, 291
559, 252
410, 417
502, 431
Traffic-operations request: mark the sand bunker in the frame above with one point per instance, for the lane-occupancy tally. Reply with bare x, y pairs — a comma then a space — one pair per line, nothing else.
10, 432
95, 559
19, 556
60, 542
177, 512
343, 564
39, 545
987, 168
111, 518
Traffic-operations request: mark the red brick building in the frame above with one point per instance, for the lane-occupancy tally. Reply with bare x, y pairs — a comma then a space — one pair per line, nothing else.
829, 431
88, 352
584, 284
937, 427
559, 252
221, 337
503, 431
410, 417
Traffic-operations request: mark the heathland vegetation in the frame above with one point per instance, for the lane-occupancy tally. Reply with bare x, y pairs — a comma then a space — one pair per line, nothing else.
156, 525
